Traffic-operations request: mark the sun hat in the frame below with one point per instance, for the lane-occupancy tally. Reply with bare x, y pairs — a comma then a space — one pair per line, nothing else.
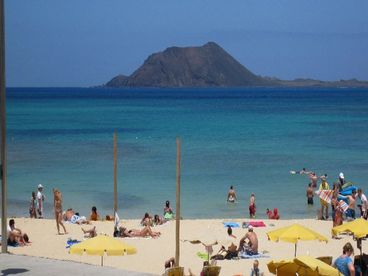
39, 186
250, 227
341, 175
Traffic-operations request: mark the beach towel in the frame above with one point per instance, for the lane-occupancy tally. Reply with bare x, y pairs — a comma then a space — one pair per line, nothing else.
325, 195
244, 255
231, 224
343, 205
70, 242
203, 256
257, 223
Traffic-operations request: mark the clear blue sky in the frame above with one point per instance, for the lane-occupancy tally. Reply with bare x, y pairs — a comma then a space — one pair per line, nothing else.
87, 42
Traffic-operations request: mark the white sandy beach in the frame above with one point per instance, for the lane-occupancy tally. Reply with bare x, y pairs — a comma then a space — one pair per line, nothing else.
152, 253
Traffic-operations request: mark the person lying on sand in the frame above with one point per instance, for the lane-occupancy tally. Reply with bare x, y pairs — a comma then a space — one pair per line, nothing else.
145, 232
72, 217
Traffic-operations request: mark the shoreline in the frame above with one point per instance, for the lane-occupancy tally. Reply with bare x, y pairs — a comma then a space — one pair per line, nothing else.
152, 253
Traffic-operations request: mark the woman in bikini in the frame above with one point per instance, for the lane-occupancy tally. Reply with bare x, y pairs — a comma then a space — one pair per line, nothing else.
145, 232
58, 210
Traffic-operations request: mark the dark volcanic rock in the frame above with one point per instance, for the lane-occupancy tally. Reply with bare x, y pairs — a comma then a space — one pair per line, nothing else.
206, 66
118, 81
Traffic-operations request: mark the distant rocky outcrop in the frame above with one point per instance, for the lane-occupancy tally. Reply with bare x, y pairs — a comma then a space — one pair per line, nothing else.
207, 66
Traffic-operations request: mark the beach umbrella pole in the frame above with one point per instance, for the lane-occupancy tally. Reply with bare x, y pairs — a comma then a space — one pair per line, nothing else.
115, 175
102, 260
295, 250
177, 232
4, 246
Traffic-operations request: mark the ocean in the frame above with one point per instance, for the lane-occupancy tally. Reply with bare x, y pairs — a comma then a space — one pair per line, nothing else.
249, 138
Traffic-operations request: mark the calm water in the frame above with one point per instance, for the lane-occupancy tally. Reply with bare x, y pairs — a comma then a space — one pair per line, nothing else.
249, 138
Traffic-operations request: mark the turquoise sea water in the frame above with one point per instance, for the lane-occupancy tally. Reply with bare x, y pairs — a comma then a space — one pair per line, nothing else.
249, 138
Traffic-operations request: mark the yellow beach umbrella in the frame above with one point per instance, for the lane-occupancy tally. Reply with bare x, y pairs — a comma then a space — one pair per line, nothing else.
293, 233
358, 227
303, 265
102, 245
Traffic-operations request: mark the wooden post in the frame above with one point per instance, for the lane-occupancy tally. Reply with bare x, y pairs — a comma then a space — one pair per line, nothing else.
115, 176
177, 234
3, 167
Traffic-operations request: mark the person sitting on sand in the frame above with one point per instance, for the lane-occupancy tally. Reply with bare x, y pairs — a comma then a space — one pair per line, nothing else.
58, 209
168, 212
33, 206
231, 195
91, 233
250, 248
147, 220
157, 220
145, 232
94, 216
15, 235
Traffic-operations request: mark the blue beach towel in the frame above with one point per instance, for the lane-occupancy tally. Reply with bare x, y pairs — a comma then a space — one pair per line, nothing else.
244, 255
69, 243
231, 224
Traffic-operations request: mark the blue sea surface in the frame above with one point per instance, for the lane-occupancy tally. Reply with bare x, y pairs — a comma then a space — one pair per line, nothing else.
248, 138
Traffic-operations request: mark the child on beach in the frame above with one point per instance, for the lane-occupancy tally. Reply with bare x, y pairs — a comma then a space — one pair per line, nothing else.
33, 206
252, 206
58, 210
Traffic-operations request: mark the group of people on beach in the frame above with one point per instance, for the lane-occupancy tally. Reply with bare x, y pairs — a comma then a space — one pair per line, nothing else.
36, 203
232, 198
147, 222
341, 205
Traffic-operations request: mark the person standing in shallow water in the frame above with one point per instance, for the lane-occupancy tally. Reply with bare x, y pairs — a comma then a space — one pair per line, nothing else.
324, 205
252, 206
310, 194
33, 206
231, 195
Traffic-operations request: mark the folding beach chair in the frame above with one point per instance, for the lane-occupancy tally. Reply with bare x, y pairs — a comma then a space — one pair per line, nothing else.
175, 271
211, 270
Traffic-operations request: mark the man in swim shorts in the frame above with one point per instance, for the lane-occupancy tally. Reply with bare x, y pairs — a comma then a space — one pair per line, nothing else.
310, 194
251, 248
